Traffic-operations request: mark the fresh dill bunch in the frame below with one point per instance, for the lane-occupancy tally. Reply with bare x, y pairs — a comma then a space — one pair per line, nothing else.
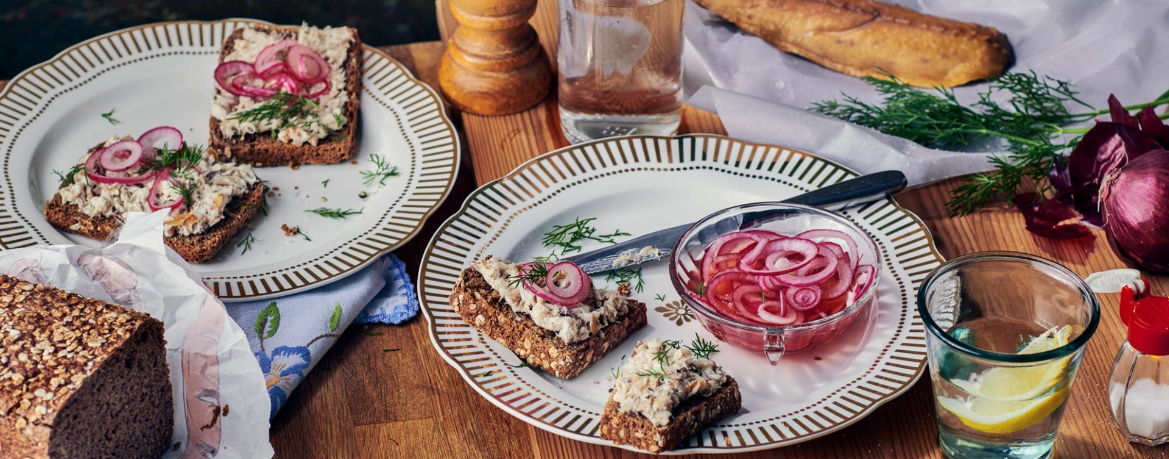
566, 237
701, 348
67, 177
1027, 112
627, 276
382, 171
337, 214
282, 109
180, 161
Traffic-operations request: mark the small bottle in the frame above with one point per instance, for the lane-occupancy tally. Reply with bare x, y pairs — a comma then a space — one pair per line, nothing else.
1138, 387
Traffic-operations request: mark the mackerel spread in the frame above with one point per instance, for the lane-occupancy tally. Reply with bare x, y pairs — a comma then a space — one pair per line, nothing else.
660, 376
332, 43
570, 324
215, 184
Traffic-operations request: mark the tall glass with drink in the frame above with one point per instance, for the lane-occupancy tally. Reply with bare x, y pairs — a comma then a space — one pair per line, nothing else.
1006, 332
620, 67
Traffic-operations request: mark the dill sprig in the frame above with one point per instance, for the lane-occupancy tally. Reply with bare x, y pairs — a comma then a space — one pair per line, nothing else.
627, 276
701, 348
186, 188
662, 357
246, 243
335, 213
522, 364
180, 161
617, 371
67, 177
109, 116
701, 289
531, 273
382, 171
566, 237
1027, 112
301, 233
660, 298
283, 110
325, 183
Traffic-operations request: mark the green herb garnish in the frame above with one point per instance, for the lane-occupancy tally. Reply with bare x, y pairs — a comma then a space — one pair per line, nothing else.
701, 348
337, 214
520, 365
487, 373
566, 237
109, 116
246, 243
531, 273
325, 183
67, 177
338, 119
701, 290
652, 373
391, 350
283, 110
617, 371
660, 297
301, 233
627, 276
186, 188
180, 162
382, 171
1024, 110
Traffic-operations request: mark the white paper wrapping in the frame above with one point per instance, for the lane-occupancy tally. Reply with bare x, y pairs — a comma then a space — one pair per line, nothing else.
212, 369
1102, 47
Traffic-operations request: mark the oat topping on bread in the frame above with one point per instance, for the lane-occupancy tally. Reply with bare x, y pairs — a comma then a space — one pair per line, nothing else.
661, 375
570, 324
328, 113
212, 184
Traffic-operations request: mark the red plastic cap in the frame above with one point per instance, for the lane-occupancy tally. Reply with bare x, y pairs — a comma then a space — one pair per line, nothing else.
1148, 322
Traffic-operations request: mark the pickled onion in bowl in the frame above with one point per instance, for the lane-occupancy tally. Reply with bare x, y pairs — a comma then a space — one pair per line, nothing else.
774, 277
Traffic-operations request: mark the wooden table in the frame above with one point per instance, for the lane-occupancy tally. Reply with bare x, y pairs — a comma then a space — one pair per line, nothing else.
361, 402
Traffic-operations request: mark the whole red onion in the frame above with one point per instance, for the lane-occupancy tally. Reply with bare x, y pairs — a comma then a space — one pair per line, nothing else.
1135, 202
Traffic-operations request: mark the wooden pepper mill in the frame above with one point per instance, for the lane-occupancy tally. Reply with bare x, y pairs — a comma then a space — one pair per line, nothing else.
493, 63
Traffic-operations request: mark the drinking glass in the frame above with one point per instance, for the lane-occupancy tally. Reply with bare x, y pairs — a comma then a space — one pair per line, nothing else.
1006, 332
620, 67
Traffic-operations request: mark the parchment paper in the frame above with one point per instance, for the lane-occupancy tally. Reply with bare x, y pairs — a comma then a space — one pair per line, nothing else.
221, 403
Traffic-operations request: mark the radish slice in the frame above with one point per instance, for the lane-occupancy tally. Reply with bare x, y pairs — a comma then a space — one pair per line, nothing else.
120, 155
569, 283
169, 138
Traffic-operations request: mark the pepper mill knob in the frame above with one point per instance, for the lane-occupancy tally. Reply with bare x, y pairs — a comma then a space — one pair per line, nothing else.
493, 63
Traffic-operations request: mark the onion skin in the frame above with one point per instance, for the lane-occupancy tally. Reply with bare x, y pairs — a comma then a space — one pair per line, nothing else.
1135, 202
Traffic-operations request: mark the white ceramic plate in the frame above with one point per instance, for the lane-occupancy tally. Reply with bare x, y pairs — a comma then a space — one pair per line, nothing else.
160, 74
641, 184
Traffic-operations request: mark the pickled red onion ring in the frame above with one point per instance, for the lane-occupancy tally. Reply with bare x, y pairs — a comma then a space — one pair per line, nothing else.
569, 283
93, 171
171, 138
274, 55
161, 176
120, 155
306, 65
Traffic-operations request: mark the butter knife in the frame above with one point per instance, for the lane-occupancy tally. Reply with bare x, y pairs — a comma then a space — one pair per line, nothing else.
659, 244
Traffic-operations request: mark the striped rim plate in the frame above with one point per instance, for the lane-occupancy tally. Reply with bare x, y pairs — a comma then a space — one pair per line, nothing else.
161, 74
641, 184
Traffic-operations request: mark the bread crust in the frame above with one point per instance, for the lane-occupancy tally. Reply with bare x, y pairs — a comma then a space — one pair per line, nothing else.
481, 306
868, 38
195, 248
261, 149
688, 418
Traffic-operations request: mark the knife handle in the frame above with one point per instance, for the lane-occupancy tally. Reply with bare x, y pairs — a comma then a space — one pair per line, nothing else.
862, 189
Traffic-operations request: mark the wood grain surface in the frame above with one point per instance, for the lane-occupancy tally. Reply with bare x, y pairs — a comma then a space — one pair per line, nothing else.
365, 402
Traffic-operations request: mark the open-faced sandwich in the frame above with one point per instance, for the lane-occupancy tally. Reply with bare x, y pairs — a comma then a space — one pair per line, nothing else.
667, 392
287, 95
80, 378
548, 314
209, 197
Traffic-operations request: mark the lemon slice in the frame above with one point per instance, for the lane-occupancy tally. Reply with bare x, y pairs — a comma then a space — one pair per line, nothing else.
998, 417
1012, 384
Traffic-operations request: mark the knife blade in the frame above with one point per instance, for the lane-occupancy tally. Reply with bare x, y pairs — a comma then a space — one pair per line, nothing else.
660, 244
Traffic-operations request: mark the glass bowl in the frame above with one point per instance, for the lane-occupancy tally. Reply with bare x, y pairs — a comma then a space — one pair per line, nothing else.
788, 219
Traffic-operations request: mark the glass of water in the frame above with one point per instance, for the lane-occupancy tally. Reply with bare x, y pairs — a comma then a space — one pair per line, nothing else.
1006, 332
620, 67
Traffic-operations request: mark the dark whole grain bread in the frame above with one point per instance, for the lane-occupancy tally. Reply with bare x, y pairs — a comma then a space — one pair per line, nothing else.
261, 149
481, 306
687, 419
195, 248
80, 378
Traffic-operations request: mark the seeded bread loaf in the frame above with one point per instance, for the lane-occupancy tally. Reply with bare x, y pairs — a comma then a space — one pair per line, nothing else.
688, 418
260, 149
196, 248
482, 307
80, 378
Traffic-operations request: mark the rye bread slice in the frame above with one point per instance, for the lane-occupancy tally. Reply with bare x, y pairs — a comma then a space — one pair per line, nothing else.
260, 149
108, 397
688, 418
195, 248
483, 308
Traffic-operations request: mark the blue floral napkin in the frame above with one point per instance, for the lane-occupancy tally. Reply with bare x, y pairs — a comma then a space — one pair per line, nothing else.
290, 334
